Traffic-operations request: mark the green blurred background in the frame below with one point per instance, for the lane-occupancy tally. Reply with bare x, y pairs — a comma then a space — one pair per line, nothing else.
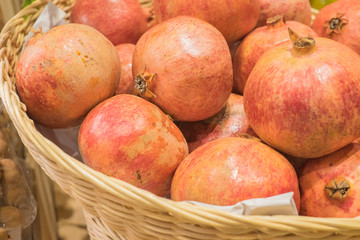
318, 4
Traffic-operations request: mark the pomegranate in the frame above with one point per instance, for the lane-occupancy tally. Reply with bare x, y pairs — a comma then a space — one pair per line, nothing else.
285, 96
230, 121
65, 72
121, 21
183, 65
129, 138
126, 83
228, 170
340, 21
258, 41
330, 185
233, 18
292, 10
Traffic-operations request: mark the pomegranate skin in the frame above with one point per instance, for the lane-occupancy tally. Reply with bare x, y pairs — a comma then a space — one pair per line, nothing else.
126, 83
121, 21
231, 121
193, 67
349, 33
224, 15
228, 170
292, 10
291, 88
257, 42
319, 198
62, 74
129, 138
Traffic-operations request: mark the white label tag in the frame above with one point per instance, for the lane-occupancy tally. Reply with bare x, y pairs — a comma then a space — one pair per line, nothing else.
282, 204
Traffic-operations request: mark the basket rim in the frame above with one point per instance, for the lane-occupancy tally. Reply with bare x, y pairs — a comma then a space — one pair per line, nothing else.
213, 217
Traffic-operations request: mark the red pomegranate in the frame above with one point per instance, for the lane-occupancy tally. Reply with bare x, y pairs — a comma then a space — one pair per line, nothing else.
121, 21
258, 41
62, 74
230, 121
303, 97
129, 138
330, 185
233, 18
340, 21
292, 10
126, 83
183, 65
228, 170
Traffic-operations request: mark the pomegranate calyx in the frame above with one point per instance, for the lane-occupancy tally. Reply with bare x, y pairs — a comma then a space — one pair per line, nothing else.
337, 189
335, 25
277, 21
300, 43
142, 83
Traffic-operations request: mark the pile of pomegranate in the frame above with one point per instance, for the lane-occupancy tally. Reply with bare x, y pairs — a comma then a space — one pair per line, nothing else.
209, 101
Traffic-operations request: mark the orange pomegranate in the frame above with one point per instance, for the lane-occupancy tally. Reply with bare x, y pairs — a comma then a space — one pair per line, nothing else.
121, 21
233, 18
232, 169
183, 65
258, 41
129, 138
231, 121
62, 74
340, 21
285, 93
330, 185
293, 10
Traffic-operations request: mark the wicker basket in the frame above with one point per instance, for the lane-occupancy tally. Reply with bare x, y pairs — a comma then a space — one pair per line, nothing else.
116, 210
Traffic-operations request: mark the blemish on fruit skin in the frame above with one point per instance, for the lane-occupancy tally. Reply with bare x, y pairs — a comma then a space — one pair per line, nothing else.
138, 175
94, 81
84, 58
